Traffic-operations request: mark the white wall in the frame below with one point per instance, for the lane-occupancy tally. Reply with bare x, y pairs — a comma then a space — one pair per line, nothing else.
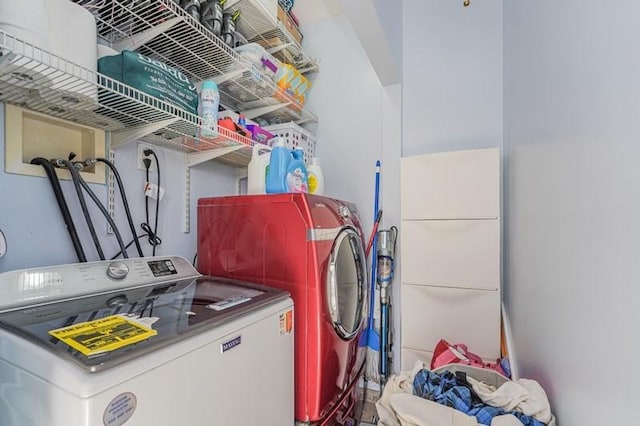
36, 236
347, 97
572, 105
452, 75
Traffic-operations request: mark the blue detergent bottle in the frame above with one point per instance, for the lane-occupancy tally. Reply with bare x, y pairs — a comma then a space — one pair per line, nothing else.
297, 176
278, 166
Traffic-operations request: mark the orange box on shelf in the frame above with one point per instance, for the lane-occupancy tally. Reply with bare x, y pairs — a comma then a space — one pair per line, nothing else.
289, 24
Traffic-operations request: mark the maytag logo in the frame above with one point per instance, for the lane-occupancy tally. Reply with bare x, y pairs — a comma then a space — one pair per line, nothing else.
231, 344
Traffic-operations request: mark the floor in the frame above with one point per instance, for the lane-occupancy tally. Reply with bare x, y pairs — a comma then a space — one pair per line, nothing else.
367, 414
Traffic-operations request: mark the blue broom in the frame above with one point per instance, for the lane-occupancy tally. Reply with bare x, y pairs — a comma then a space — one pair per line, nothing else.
372, 370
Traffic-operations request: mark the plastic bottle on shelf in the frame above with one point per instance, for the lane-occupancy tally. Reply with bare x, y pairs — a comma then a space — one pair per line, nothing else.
315, 176
297, 178
208, 108
278, 165
257, 169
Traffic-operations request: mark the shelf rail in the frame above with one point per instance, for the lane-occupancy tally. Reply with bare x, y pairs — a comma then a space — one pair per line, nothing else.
162, 30
35, 79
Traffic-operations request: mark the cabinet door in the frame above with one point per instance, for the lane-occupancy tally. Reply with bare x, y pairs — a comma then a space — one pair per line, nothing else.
457, 315
451, 253
451, 185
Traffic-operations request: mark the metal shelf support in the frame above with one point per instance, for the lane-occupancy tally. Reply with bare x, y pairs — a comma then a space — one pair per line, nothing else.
140, 39
257, 112
124, 136
186, 218
196, 158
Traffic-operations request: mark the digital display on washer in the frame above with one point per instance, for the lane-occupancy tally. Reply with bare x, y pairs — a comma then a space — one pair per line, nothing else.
160, 268
173, 310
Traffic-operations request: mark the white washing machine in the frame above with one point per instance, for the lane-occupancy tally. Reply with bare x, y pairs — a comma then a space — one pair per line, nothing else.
142, 342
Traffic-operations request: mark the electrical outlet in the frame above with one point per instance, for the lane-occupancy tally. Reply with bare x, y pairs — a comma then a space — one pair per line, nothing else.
141, 156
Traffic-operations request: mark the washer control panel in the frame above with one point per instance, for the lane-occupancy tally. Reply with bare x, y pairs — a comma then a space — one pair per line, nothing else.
50, 283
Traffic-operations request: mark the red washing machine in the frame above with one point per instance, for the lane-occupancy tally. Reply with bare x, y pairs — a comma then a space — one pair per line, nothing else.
311, 246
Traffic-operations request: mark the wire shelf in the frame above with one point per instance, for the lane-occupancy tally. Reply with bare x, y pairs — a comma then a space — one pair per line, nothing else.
162, 30
38, 80
260, 25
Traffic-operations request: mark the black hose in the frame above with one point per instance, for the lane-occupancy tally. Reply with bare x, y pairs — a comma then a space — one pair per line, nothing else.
153, 235
75, 177
62, 205
106, 214
124, 202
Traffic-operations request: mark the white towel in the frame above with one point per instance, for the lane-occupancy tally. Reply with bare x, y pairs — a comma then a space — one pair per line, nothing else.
524, 395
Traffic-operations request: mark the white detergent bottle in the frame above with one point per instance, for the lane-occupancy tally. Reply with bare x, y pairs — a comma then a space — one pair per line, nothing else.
315, 176
257, 169
208, 108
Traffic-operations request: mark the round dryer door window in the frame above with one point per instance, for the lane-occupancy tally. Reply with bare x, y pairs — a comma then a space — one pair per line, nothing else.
347, 283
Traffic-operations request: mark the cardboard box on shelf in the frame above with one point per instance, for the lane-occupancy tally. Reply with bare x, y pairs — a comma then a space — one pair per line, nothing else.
289, 24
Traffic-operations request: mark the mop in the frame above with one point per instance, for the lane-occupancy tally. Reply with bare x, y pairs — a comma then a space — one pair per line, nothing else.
372, 371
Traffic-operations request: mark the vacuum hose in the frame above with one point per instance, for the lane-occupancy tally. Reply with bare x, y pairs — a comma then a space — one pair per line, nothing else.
62, 205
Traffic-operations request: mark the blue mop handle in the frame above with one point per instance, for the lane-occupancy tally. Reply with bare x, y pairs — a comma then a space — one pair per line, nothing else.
372, 292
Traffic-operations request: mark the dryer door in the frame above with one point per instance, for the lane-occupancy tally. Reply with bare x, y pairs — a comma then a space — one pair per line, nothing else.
347, 283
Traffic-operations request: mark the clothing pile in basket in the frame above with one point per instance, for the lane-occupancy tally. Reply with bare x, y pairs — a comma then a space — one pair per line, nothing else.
462, 395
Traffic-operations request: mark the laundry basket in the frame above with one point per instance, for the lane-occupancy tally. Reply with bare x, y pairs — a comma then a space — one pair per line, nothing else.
295, 137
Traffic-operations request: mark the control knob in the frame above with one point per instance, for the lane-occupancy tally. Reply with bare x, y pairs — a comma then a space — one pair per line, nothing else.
117, 270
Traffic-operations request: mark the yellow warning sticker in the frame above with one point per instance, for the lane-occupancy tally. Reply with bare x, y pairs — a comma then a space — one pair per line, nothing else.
103, 335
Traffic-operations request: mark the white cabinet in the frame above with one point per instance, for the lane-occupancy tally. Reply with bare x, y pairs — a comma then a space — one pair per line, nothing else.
451, 185
455, 314
450, 253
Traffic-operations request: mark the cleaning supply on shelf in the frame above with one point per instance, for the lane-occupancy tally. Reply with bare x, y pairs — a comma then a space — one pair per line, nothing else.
27, 20
278, 167
260, 59
315, 177
150, 76
211, 16
192, 7
68, 23
208, 108
229, 28
257, 169
297, 178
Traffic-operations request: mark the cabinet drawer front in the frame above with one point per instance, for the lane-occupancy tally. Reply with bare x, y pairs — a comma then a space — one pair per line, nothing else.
457, 315
451, 185
451, 253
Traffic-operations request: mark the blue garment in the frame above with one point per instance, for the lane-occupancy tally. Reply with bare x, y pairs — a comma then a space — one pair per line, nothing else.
455, 392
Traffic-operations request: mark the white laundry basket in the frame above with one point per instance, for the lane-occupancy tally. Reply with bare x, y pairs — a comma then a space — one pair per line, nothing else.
295, 137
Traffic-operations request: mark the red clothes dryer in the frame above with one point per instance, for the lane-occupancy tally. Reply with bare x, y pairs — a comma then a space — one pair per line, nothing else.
311, 246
